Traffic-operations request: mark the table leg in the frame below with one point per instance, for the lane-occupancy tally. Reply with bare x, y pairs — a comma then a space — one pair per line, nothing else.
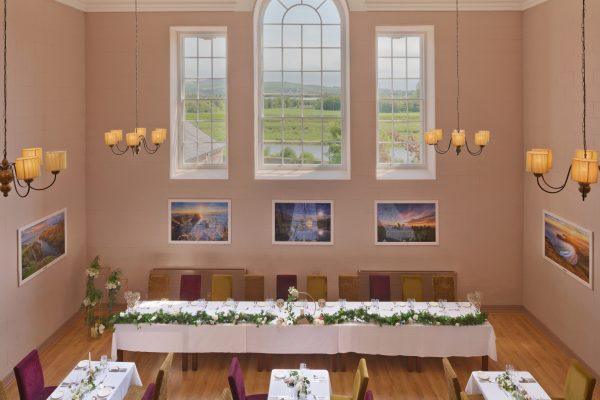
195, 362
184, 361
119, 355
333, 362
485, 363
411, 363
418, 363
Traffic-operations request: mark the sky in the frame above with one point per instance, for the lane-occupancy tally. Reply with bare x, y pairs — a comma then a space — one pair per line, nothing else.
203, 207
404, 213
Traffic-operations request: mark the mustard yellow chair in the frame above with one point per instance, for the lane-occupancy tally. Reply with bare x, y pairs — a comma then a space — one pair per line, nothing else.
579, 384
160, 384
222, 287
454, 387
348, 287
444, 287
226, 394
316, 286
254, 288
158, 286
361, 380
3, 395
412, 288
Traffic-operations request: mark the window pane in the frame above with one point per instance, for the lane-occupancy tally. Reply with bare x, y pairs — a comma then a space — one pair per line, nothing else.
399, 47
292, 35
190, 89
332, 83
413, 46
332, 36
311, 35
272, 59
414, 68
219, 68
311, 59
219, 88
190, 47
292, 83
385, 88
313, 130
302, 15
384, 68
385, 153
272, 36
332, 60
385, 131
332, 106
273, 129
191, 68
332, 153
204, 68
329, 13
311, 83
292, 60
332, 129
384, 46
292, 106
399, 67
312, 153
272, 82
274, 13
204, 47
272, 107
292, 154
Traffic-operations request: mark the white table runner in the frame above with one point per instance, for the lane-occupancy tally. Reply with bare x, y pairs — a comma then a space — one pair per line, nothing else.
320, 385
491, 391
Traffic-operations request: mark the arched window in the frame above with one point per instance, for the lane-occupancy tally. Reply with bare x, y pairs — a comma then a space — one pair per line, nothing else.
301, 75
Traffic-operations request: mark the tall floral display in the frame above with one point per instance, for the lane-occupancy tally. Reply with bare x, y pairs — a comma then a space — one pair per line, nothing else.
92, 294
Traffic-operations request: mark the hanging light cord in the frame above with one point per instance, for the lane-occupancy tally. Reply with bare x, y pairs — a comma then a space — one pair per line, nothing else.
583, 80
457, 74
136, 65
5, 77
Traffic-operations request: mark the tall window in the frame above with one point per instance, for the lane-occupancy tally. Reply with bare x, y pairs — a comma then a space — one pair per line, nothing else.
201, 104
301, 103
404, 103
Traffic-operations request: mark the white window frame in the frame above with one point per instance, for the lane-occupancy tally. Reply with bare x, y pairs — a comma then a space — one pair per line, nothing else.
307, 172
176, 74
427, 170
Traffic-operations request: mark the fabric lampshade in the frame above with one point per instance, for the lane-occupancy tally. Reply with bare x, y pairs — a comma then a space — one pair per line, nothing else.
458, 138
584, 170
27, 168
539, 161
33, 152
56, 161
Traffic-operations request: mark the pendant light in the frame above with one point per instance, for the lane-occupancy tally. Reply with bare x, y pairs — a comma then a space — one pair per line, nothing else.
458, 139
27, 167
135, 140
584, 165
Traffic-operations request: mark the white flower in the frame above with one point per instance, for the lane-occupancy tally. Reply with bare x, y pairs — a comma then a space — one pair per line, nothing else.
153, 318
101, 329
293, 292
397, 323
438, 323
289, 322
457, 324
122, 314
86, 302
92, 273
215, 317
139, 317
236, 316
415, 317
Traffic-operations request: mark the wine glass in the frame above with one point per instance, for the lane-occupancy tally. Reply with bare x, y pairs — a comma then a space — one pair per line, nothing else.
322, 303
375, 304
411, 303
342, 303
270, 303
509, 369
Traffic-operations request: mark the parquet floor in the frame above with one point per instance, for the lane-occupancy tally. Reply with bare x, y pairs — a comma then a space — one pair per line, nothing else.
519, 342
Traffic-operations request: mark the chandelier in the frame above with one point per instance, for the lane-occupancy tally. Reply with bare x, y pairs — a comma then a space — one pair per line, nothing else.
458, 139
27, 167
135, 140
584, 166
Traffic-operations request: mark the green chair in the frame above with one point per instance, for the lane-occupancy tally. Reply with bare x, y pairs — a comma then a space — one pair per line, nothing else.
316, 286
454, 387
412, 288
222, 287
361, 380
579, 384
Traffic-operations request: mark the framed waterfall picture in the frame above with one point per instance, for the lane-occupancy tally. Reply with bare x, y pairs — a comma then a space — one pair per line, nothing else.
406, 223
303, 222
41, 244
569, 247
199, 221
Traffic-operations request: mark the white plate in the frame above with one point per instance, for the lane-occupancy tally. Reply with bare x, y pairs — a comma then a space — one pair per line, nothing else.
58, 394
83, 364
484, 376
105, 392
401, 304
433, 303
279, 374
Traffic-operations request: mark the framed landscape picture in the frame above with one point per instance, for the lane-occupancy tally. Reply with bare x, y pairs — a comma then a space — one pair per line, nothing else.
41, 244
569, 247
303, 222
199, 221
406, 223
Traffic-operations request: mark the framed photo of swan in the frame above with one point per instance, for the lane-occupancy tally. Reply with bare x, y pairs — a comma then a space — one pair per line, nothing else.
303, 222
569, 247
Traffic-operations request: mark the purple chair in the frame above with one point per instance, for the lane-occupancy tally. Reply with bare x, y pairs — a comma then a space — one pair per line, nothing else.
369, 395
380, 288
189, 287
149, 393
30, 378
283, 284
236, 383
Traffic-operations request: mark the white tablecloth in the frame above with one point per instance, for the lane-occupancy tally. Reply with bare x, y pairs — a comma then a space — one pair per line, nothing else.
320, 385
408, 340
491, 391
121, 379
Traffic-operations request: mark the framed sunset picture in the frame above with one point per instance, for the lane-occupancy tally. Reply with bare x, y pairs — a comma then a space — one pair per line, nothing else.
303, 222
406, 223
199, 221
569, 247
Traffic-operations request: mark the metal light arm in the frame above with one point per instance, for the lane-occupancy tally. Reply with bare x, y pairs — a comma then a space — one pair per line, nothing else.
150, 150
116, 149
550, 188
474, 153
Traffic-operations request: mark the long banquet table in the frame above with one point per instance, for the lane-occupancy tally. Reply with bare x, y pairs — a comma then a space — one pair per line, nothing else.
413, 339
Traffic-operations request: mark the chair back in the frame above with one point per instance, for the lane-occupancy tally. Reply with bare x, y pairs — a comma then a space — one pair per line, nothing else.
30, 376
226, 394
162, 379
580, 383
158, 286
464, 396
316, 286
149, 393
451, 380
380, 287
361, 380
222, 287
236, 380
369, 395
254, 288
412, 288
348, 287
284, 282
3, 395
444, 287
190, 287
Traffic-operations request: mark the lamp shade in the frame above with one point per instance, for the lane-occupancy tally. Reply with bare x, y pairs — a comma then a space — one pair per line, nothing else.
141, 132
430, 137
27, 168
482, 138
110, 138
159, 136
539, 161
118, 134
56, 161
458, 138
133, 139
439, 134
584, 170
589, 154
33, 152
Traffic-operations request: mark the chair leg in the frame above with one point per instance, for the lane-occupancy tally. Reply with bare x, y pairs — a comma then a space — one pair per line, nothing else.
418, 363
184, 361
195, 362
120, 355
485, 363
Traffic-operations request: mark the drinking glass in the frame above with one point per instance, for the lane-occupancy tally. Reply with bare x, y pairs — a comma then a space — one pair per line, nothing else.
303, 367
375, 304
411, 304
322, 303
509, 369
442, 304
270, 303
304, 304
103, 361
342, 303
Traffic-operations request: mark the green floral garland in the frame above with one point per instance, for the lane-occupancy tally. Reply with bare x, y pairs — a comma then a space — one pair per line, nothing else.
362, 315
200, 318
505, 383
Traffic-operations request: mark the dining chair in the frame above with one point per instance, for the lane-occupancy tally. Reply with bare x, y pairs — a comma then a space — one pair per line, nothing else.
284, 282
464, 396
158, 286
316, 286
412, 288
444, 287
190, 287
454, 387
149, 393
222, 287
226, 394
361, 380
380, 287
236, 383
579, 384
156, 390
30, 378
3, 395
254, 287
348, 287
369, 395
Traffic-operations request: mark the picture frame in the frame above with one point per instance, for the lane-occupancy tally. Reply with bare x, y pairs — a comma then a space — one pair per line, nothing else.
199, 221
302, 222
569, 247
392, 219
41, 244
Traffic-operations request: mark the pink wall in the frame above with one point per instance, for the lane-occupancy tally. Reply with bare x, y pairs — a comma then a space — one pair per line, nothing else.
46, 108
552, 118
480, 199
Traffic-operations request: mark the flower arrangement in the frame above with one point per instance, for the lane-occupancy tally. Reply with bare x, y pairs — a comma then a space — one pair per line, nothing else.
86, 385
113, 284
92, 295
505, 383
200, 318
298, 383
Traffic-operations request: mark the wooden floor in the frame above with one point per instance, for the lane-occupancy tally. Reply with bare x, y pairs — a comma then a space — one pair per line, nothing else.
519, 342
